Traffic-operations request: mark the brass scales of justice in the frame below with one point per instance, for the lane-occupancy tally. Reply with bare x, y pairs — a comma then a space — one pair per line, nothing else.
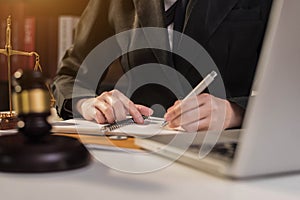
9, 119
34, 148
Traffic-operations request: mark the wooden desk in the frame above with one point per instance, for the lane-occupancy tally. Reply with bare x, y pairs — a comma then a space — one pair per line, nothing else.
101, 140
175, 181
104, 180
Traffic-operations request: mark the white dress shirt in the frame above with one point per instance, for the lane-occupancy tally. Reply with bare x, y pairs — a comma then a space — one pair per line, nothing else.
168, 4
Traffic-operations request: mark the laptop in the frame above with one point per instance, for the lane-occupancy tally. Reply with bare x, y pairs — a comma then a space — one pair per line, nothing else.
269, 141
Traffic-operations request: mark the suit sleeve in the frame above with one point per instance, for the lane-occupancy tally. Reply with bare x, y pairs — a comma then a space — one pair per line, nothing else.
93, 28
265, 7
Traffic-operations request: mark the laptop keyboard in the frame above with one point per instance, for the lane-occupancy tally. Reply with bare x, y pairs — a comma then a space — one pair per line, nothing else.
223, 151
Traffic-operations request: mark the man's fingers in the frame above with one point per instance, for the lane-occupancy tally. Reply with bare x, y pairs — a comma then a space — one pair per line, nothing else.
106, 110
114, 106
130, 107
199, 125
117, 102
191, 116
187, 105
135, 113
120, 105
100, 119
144, 110
87, 109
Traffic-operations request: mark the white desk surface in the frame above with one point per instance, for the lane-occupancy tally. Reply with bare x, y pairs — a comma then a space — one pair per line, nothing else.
97, 181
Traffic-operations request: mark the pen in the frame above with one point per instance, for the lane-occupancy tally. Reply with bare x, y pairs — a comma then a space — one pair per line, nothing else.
198, 89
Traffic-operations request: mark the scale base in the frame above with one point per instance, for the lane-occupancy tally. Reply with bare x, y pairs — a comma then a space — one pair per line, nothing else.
8, 121
49, 154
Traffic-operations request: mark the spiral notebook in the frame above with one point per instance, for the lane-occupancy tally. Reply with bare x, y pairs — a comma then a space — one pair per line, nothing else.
151, 127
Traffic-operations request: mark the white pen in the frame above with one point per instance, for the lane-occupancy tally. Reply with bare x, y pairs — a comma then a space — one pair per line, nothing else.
198, 89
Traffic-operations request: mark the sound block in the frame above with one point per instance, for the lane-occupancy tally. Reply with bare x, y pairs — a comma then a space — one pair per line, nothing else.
47, 154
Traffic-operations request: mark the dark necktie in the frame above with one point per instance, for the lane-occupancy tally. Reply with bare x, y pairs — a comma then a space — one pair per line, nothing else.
176, 14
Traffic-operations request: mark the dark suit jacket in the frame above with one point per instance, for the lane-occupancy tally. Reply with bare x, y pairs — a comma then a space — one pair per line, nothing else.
231, 31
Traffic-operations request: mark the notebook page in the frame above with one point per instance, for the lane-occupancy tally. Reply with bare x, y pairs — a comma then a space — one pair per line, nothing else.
152, 126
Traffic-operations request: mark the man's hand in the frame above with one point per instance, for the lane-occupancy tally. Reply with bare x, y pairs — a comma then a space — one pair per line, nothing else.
110, 107
204, 112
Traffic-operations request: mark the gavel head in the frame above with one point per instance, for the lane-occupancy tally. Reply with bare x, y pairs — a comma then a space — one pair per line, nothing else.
31, 101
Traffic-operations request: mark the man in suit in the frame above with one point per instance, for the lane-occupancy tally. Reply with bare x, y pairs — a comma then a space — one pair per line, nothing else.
231, 31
